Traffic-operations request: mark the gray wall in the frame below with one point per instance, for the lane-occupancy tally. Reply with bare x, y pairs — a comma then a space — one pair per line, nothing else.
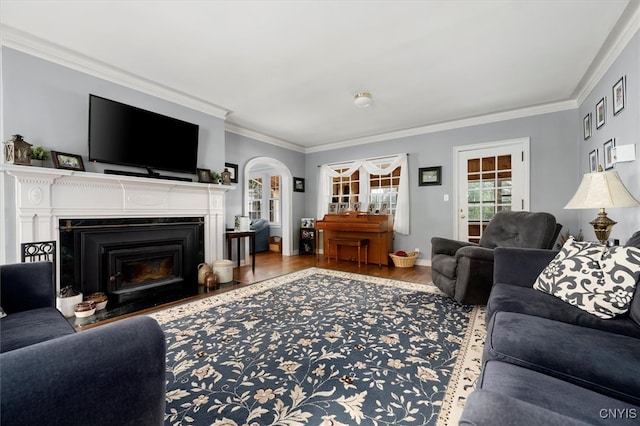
625, 128
559, 158
553, 150
49, 105
239, 150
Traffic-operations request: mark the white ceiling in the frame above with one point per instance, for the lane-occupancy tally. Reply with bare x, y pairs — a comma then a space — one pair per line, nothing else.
288, 70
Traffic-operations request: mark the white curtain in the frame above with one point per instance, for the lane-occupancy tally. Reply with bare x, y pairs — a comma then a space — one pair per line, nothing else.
401, 220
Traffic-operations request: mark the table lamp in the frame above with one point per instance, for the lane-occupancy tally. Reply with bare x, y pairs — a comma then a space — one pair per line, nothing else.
602, 190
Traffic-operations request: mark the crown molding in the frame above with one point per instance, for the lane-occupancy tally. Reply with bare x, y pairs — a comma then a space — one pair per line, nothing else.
611, 49
451, 125
16, 39
232, 128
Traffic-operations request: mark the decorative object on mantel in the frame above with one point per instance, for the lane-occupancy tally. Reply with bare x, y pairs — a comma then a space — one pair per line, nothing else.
62, 160
226, 176
17, 151
205, 176
233, 171
602, 190
38, 156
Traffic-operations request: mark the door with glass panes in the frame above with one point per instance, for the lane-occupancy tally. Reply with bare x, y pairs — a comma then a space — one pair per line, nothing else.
490, 179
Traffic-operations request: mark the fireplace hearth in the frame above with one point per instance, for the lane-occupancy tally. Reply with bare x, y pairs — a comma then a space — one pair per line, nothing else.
132, 259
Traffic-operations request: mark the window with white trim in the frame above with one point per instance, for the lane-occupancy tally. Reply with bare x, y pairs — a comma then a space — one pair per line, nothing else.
274, 200
346, 189
371, 182
265, 203
383, 190
255, 198
368, 189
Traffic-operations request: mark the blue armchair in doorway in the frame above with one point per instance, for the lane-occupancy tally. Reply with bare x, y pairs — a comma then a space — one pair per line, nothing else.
261, 226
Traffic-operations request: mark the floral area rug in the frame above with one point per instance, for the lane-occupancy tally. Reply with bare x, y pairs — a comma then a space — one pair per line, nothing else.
321, 347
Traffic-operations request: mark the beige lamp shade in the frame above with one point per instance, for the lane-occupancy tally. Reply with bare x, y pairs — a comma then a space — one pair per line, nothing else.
601, 190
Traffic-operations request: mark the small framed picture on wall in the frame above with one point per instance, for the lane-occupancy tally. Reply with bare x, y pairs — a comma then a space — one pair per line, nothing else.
619, 94
601, 113
430, 176
607, 150
586, 125
593, 161
298, 184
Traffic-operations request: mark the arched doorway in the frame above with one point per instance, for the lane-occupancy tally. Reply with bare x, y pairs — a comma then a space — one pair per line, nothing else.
281, 169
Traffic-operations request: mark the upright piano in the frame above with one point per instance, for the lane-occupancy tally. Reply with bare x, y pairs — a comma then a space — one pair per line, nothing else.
377, 228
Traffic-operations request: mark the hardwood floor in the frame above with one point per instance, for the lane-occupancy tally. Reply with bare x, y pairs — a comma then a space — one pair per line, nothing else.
270, 265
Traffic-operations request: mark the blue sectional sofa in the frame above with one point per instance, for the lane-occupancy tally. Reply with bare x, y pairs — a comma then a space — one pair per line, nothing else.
548, 362
112, 374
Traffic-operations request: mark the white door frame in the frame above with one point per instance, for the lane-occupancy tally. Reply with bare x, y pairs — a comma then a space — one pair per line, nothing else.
523, 143
286, 196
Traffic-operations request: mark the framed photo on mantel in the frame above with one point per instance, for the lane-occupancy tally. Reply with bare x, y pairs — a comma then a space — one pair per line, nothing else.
63, 160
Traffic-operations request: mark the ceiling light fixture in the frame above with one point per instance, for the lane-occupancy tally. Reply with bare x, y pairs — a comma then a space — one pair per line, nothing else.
362, 99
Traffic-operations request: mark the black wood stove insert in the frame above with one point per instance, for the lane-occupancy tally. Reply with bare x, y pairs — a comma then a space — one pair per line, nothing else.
132, 259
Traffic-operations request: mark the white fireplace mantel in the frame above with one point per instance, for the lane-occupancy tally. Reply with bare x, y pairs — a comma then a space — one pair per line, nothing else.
34, 199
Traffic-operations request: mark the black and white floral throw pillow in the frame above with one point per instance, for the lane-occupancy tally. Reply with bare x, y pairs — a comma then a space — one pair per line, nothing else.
592, 277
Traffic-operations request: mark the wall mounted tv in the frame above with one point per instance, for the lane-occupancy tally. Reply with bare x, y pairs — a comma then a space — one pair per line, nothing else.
126, 135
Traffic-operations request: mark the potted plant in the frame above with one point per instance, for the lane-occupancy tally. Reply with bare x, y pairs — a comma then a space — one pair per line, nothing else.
216, 177
38, 156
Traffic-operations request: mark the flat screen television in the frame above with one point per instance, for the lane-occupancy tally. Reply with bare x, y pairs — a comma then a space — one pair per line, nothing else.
125, 135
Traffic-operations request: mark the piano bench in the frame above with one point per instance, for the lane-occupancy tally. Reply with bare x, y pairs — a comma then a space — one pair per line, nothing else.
353, 242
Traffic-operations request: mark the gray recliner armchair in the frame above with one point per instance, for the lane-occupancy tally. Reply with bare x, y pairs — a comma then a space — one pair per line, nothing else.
464, 270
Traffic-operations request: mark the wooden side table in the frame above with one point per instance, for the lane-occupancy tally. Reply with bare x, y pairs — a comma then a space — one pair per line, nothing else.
230, 235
